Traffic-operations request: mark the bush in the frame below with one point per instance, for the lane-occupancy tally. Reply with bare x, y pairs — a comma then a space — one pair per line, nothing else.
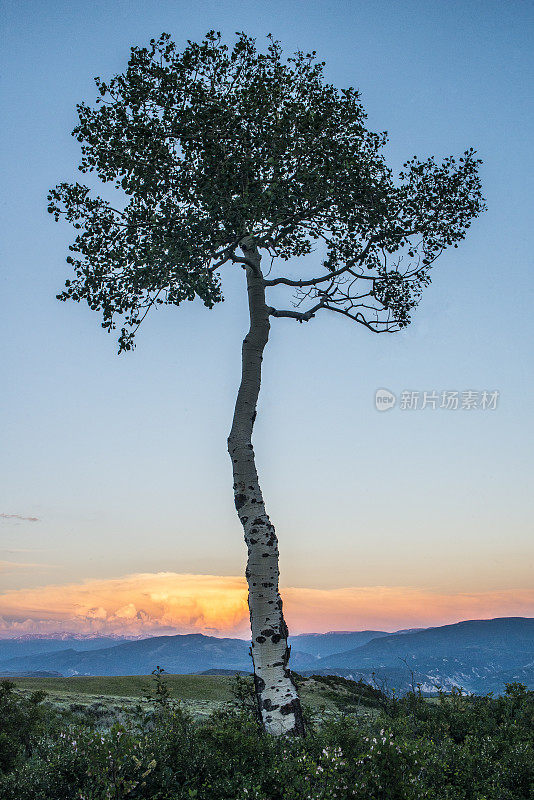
22, 722
455, 748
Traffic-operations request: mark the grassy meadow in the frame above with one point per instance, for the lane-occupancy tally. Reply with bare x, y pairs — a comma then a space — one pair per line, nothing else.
111, 698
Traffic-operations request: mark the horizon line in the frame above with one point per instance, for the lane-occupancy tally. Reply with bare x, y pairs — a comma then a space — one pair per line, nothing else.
154, 635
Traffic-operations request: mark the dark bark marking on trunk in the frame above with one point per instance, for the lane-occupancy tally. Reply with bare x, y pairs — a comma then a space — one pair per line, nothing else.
240, 500
268, 705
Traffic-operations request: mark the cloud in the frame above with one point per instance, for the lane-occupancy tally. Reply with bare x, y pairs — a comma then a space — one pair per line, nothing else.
135, 604
144, 604
20, 517
13, 566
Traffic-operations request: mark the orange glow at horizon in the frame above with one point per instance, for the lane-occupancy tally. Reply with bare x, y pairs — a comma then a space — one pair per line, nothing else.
167, 602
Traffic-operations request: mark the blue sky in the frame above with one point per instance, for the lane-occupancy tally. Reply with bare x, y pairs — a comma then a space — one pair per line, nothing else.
123, 459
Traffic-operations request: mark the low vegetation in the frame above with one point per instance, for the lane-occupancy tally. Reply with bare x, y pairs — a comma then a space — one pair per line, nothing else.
362, 743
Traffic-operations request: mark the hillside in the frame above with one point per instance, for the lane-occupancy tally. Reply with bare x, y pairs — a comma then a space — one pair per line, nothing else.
479, 655
33, 645
107, 699
326, 644
178, 654
188, 653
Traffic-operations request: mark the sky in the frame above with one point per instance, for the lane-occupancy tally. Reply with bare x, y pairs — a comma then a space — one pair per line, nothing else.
116, 506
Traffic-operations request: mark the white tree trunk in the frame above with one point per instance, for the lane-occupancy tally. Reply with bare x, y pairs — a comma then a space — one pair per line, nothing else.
277, 696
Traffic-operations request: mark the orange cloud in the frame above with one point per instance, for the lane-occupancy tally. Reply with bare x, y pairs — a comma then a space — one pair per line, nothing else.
168, 602
135, 604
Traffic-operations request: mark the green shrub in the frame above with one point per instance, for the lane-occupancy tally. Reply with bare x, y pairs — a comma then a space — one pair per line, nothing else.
455, 748
22, 722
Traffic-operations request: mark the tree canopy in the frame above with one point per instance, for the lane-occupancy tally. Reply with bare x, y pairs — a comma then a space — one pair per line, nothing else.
208, 146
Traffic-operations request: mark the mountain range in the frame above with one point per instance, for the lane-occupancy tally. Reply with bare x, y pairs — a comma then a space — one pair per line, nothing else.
327, 644
479, 656
31, 645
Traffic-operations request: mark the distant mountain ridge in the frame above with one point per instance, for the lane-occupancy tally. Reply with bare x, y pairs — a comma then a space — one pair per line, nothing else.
182, 653
325, 644
478, 655
178, 654
31, 644
511, 635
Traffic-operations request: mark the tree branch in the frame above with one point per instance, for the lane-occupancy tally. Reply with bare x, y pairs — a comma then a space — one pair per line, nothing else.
300, 316
312, 281
361, 319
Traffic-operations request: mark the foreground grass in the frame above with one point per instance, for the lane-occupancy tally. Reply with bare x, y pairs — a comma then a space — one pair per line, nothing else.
371, 748
106, 700
184, 687
200, 695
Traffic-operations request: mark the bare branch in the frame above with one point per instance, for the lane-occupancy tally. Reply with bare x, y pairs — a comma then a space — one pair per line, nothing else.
238, 260
312, 281
300, 316
358, 317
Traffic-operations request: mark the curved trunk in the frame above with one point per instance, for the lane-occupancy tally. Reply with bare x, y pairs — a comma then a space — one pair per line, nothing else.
277, 696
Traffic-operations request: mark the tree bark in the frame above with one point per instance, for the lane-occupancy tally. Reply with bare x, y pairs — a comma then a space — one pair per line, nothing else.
277, 696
